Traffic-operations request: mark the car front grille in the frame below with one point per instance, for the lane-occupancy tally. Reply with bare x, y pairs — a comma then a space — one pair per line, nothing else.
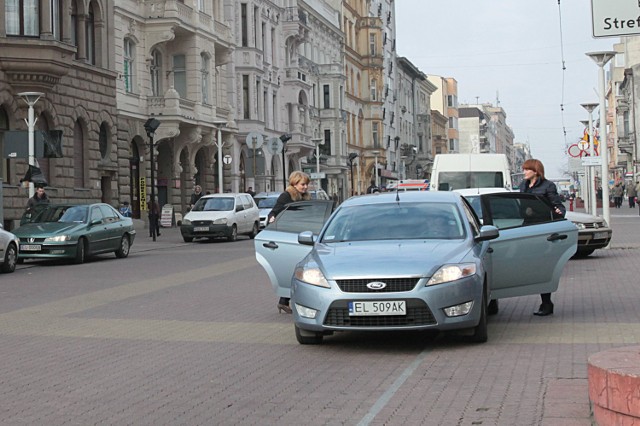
592, 225
201, 222
418, 313
393, 285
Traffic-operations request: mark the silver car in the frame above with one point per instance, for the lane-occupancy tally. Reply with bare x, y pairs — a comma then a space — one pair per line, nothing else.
8, 251
414, 260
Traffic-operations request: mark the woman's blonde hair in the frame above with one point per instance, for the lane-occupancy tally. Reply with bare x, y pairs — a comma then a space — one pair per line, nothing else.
294, 179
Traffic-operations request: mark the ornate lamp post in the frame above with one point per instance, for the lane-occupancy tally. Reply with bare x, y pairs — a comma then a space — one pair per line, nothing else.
352, 157
31, 98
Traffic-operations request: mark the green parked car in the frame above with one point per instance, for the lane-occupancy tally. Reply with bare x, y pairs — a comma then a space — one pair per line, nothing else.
74, 231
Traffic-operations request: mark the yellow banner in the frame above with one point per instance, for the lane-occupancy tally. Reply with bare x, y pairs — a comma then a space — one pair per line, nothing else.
143, 194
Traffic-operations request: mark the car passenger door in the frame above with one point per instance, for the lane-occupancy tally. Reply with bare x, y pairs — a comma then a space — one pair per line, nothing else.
277, 247
532, 249
113, 223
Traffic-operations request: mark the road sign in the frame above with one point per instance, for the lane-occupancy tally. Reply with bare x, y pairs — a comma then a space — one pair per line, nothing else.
583, 145
614, 18
274, 146
320, 175
591, 161
226, 159
254, 140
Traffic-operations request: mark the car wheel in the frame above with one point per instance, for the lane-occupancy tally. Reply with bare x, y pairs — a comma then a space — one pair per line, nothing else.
308, 337
493, 307
10, 259
123, 250
584, 253
234, 233
254, 231
187, 239
81, 251
480, 334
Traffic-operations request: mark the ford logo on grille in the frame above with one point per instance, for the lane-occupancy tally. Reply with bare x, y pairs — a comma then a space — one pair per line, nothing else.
376, 285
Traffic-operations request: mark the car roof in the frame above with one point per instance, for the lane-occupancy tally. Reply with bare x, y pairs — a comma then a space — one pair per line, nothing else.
404, 196
267, 194
224, 194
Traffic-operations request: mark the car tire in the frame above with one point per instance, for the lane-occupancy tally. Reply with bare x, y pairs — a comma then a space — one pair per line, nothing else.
81, 251
125, 247
583, 253
480, 334
234, 233
254, 231
493, 307
10, 258
187, 239
308, 337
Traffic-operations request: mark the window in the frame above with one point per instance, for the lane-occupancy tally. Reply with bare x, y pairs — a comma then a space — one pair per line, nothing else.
325, 149
372, 44
22, 17
156, 72
204, 83
78, 156
326, 98
128, 65
74, 24
374, 135
243, 24
4, 162
452, 144
103, 141
90, 40
245, 97
180, 75
374, 91
56, 19
452, 101
201, 6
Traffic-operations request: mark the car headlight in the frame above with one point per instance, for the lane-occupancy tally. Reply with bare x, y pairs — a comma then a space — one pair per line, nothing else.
448, 273
57, 239
579, 225
311, 274
186, 222
221, 221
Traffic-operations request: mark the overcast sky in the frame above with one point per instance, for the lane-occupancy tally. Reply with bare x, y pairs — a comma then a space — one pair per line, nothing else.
511, 50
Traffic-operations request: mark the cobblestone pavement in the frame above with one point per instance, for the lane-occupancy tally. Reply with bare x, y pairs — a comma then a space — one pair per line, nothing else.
148, 344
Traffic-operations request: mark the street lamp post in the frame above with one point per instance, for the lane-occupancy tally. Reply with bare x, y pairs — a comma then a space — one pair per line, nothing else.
601, 58
151, 126
592, 171
375, 171
318, 142
284, 138
220, 145
352, 157
31, 98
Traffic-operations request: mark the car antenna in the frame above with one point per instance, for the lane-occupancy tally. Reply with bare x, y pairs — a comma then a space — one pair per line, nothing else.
397, 193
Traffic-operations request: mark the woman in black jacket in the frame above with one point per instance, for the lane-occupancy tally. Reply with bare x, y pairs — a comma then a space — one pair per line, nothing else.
535, 183
296, 191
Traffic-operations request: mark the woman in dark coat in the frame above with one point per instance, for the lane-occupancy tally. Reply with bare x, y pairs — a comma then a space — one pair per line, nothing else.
535, 183
296, 191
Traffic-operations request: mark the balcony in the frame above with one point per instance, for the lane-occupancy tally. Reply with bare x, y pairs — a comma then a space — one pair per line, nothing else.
295, 23
35, 65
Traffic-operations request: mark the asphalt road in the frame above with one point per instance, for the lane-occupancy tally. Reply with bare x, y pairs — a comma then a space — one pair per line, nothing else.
189, 334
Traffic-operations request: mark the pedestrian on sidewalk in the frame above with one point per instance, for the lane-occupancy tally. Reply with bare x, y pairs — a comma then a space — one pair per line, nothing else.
617, 192
154, 218
535, 183
632, 194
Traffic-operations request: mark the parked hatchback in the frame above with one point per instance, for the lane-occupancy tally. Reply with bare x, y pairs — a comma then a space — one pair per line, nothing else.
266, 201
221, 215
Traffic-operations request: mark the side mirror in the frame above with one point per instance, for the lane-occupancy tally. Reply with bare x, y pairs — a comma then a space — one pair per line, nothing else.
488, 232
306, 238
95, 222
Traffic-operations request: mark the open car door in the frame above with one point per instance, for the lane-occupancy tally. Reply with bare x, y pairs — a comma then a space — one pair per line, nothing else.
277, 247
533, 246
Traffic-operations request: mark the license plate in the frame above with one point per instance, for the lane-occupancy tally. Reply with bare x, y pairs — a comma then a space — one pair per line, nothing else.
30, 247
600, 235
382, 307
200, 228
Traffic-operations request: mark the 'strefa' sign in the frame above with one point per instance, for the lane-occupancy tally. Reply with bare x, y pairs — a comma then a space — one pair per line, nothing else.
614, 18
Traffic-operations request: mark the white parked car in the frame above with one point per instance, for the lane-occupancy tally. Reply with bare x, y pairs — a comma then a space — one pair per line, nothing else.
8, 251
221, 215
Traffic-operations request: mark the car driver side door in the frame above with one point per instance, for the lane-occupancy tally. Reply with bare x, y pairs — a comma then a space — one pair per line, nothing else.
277, 247
533, 247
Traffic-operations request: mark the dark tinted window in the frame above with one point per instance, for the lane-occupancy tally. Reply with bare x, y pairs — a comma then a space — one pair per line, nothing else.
302, 216
519, 210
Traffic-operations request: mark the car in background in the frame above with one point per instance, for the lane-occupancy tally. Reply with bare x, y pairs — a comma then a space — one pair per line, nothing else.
593, 231
8, 250
265, 202
441, 265
319, 194
221, 215
76, 232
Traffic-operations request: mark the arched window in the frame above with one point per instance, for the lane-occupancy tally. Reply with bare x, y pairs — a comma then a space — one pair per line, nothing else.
205, 64
78, 156
128, 64
22, 17
103, 141
374, 89
156, 73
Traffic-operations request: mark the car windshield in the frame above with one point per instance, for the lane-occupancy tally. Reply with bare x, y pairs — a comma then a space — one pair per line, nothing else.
75, 214
395, 221
214, 204
267, 203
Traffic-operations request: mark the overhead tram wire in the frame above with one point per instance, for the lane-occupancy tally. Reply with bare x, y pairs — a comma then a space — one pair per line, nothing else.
564, 68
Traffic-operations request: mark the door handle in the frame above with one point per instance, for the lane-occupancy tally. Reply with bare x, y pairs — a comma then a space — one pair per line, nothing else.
270, 245
489, 250
555, 236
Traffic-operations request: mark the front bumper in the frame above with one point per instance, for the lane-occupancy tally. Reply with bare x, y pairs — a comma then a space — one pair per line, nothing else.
209, 231
587, 240
49, 251
425, 307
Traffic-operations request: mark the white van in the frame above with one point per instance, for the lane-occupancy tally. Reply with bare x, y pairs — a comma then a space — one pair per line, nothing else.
458, 171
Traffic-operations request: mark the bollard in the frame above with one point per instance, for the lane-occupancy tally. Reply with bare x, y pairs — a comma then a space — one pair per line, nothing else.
571, 204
